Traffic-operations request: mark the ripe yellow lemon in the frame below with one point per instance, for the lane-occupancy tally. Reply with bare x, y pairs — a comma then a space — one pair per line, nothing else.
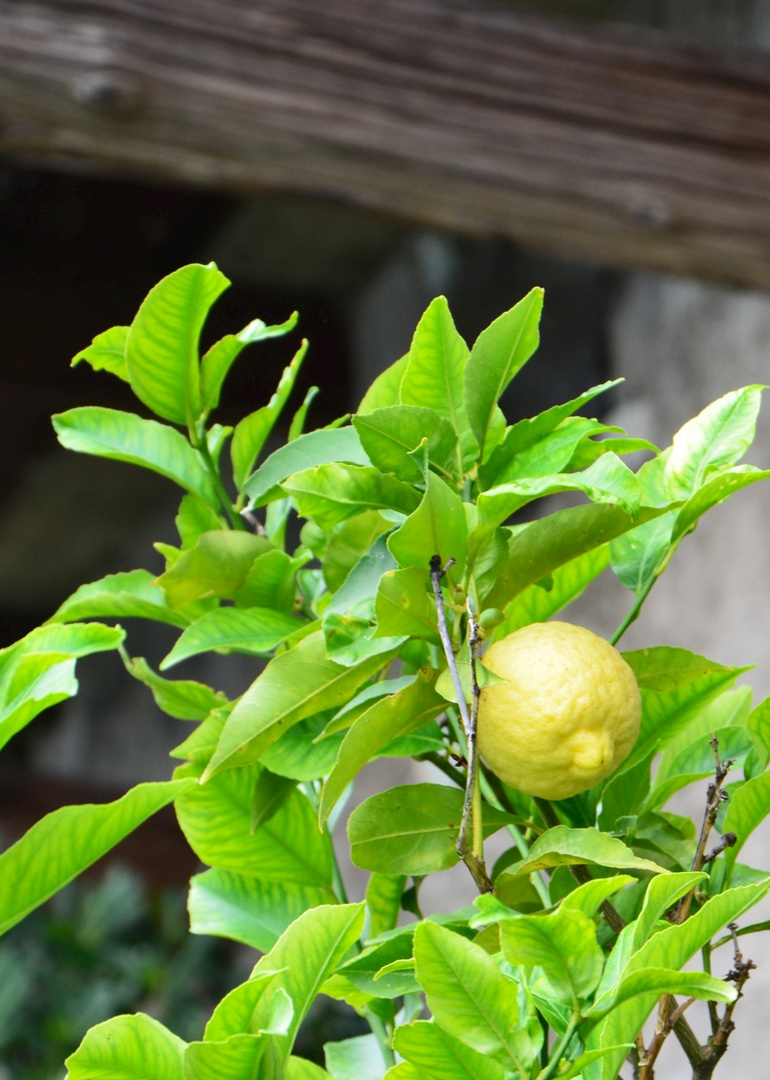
567, 714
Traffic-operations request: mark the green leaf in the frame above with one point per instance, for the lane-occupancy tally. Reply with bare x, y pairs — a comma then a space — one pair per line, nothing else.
397, 714
107, 352
162, 343
659, 981
498, 354
434, 376
469, 996
247, 909
218, 565
63, 843
386, 388
122, 436
288, 849
304, 956
331, 493
39, 670
437, 527
307, 451
251, 434
758, 724
298, 1068
562, 846
294, 685
128, 1048
183, 699
714, 439
301, 753
713, 492
607, 480
270, 793
404, 607
563, 944
217, 362
550, 542
348, 542
196, 517
359, 1058
272, 581
664, 668
412, 829
434, 1054
528, 448
126, 595
297, 425
383, 902
361, 702
253, 631
233, 1059
536, 604
663, 891
748, 806
388, 436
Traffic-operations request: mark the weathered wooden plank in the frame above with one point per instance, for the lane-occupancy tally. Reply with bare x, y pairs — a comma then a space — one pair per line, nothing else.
621, 146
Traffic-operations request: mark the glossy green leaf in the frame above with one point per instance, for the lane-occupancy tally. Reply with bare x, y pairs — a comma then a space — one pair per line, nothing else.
433, 1054
305, 956
434, 376
386, 388
397, 714
607, 480
128, 1048
123, 596
294, 685
270, 793
217, 362
553, 453
404, 607
659, 981
233, 1059
348, 620
308, 451
536, 604
359, 1058
162, 343
218, 566
437, 527
297, 1068
562, 846
362, 701
412, 829
522, 451
749, 805
550, 542
194, 518
717, 437
301, 753
348, 542
253, 631
383, 902
713, 492
497, 355
183, 699
63, 843
122, 436
562, 944
389, 435
663, 891
39, 670
331, 493
288, 849
590, 896
758, 724
665, 667
251, 434
469, 996
249, 909
272, 581
107, 352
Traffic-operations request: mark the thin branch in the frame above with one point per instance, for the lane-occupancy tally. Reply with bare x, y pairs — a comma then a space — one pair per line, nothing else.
467, 851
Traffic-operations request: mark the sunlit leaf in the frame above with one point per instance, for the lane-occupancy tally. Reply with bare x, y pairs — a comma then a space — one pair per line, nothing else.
253, 631
107, 352
305, 452
128, 1048
217, 362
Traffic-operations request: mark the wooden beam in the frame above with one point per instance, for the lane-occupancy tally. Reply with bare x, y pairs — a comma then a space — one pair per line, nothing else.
624, 147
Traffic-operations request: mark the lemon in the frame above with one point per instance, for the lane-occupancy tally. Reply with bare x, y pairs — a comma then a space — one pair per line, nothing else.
567, 714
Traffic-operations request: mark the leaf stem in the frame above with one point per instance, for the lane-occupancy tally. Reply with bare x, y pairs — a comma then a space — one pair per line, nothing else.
235, 519
561, 1045
633, 614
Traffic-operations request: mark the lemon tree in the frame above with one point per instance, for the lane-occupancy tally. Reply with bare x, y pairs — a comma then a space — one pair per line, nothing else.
414, 618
